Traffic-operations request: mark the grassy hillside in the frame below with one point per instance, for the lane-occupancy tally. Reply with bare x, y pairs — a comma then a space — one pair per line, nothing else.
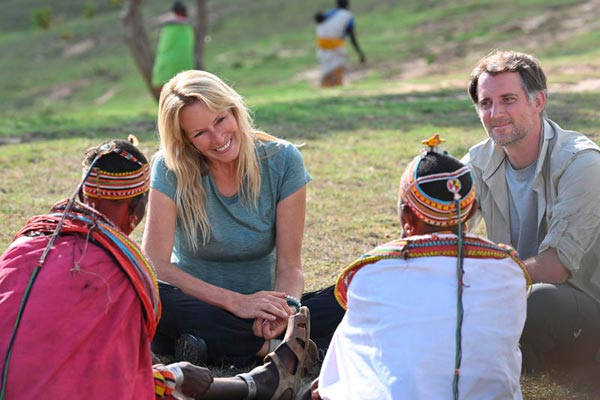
68, 87
78, 74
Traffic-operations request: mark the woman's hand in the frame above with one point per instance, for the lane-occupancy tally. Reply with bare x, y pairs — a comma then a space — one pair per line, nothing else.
271, 329
265, 305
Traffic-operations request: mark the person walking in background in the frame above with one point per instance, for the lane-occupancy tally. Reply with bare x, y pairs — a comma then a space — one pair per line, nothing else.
538, 187
333, 27
175, 49
225, 227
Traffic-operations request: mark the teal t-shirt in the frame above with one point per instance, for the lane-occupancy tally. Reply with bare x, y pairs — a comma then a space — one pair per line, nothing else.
240, 254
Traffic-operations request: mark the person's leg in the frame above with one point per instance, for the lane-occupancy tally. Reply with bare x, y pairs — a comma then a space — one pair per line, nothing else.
325, 315
226, 389
228, 338
562, 325
333, 78
338, 76
280, 376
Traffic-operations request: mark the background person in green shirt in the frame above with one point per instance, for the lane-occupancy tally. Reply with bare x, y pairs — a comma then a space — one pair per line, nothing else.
175, 50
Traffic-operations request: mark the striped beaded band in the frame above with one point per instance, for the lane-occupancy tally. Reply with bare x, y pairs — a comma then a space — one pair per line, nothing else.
292, 301
429, 209
116, 186
434, 245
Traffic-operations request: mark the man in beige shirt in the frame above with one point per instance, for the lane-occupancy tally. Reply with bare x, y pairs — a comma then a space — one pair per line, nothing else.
538, 188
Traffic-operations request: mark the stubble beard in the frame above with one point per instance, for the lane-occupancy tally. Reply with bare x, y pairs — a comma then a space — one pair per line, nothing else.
507, 139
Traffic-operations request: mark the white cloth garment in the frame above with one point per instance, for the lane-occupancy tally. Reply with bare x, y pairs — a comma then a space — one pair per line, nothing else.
333, 27
397, 339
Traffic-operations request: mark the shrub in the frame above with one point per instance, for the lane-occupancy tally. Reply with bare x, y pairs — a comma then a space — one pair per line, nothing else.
89, 11
42, 17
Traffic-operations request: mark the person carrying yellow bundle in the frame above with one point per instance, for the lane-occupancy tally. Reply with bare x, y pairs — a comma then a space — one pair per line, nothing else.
333, 27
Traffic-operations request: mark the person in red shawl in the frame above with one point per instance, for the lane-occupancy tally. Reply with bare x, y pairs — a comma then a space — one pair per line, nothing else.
79, 303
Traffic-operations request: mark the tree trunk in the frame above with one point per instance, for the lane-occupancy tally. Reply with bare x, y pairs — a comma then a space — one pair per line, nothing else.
200, 30
137, 40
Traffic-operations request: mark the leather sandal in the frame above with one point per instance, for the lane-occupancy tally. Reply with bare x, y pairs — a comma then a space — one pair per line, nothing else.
304, 350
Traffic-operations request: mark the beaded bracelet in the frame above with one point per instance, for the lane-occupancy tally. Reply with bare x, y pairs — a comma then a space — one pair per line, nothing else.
177, 372
292, 301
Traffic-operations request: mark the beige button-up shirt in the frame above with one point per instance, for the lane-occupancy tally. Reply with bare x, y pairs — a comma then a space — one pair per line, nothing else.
567, 183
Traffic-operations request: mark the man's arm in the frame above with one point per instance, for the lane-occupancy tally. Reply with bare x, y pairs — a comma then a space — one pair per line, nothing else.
546, 267
574, 226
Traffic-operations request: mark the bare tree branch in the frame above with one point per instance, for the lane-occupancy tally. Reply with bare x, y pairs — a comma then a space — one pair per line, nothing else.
137, 40
201, 29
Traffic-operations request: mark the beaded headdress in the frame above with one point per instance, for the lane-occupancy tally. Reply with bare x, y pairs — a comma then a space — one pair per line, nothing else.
442, 213
431, 210
115, 186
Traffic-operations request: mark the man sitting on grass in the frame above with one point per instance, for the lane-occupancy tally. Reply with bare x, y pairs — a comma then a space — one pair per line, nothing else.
538, 187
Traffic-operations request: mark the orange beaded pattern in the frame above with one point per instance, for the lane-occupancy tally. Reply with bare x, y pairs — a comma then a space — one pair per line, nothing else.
425, 246
428, 209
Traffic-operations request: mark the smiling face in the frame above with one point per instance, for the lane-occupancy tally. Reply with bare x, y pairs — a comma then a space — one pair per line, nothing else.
214, 134
505, 110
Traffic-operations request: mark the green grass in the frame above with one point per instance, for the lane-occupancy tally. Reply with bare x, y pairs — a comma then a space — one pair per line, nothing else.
357, 138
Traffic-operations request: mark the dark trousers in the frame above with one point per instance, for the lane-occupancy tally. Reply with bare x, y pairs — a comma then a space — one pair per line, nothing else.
230, 339
562, 328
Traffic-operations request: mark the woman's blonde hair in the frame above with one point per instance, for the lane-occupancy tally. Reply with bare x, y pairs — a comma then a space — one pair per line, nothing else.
185, 160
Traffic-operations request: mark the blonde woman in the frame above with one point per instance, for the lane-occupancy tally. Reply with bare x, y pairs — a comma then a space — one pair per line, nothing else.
224, 228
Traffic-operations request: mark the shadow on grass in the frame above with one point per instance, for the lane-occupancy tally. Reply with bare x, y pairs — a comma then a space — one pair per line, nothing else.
316, 118
447, 108
143, 128
565, 383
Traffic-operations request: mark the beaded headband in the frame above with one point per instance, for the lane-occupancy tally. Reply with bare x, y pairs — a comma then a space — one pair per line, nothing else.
429, 209
116, 185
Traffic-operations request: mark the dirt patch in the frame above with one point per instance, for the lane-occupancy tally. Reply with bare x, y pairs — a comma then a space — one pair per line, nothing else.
64, 91
79, 48
527, 34
106, 96
584, 85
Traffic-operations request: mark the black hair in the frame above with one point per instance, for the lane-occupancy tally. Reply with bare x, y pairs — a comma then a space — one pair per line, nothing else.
179, 8
319, 17
436, 163
113, 162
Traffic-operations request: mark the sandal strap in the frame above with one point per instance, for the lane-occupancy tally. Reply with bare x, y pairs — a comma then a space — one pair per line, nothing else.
283, 385
296, 344
251, 385
293, 344
303, 349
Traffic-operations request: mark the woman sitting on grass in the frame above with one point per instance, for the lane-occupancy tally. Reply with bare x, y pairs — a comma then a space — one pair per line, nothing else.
224, 229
